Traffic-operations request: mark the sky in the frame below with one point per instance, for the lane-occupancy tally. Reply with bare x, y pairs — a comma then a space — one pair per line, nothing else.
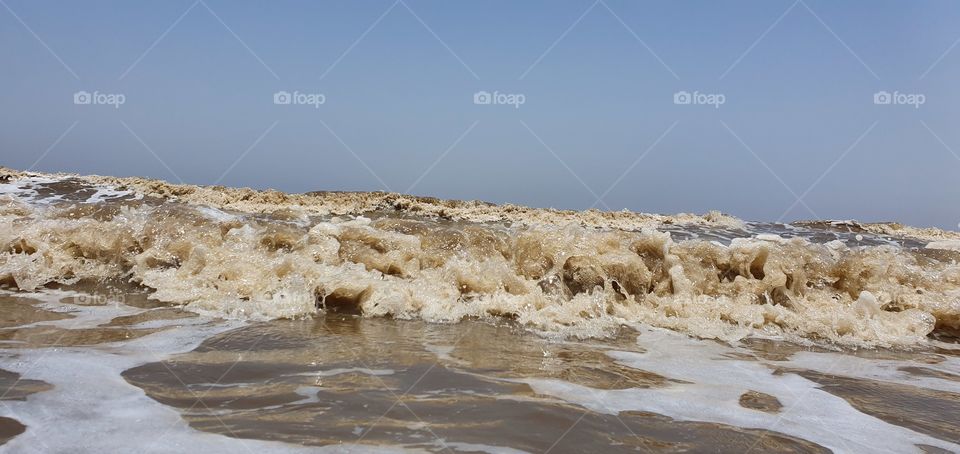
768, 110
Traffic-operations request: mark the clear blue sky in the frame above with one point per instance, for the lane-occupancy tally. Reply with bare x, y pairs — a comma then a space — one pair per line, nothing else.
598, 79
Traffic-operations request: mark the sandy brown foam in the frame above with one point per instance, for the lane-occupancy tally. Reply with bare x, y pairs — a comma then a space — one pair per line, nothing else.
339, 203
268, 254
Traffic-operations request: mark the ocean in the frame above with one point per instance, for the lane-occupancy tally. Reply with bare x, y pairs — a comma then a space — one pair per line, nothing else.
144, 316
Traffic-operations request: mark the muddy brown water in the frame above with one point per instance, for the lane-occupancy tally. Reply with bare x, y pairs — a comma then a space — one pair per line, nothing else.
137, 316
376, 383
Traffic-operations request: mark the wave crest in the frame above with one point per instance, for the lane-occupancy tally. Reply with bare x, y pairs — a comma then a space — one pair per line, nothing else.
567, 279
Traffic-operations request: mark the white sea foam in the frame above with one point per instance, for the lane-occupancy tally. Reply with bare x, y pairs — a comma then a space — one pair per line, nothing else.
717, 381
91, 408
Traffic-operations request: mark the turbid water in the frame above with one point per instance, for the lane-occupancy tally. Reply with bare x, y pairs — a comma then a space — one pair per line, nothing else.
148, 317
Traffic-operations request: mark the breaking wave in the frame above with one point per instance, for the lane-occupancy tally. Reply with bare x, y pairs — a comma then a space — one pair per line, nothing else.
244, 253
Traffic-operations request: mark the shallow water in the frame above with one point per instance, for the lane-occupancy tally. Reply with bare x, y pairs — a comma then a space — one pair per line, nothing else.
138, 316
111, 376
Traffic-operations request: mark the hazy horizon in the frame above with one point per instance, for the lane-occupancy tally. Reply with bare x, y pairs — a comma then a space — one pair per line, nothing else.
777, 110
